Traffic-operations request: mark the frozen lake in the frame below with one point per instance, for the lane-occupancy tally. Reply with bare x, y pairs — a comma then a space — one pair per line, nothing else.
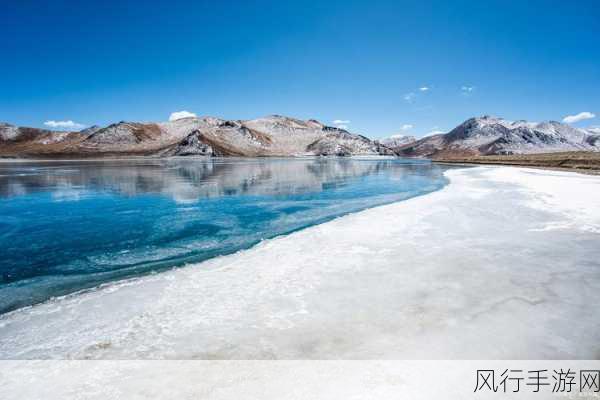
66, 226
501, 263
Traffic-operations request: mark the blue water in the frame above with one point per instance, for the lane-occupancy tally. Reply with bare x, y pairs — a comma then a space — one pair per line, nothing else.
67, 226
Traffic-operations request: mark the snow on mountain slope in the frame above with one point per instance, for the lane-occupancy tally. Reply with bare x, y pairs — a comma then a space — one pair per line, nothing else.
273, 135
278, 135
222, 138
297, 137
125, 133
8, 132
399, 141
35, 138
11, 133
490, 135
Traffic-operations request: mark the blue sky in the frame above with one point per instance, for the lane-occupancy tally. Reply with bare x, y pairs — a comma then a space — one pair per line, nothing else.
366, 62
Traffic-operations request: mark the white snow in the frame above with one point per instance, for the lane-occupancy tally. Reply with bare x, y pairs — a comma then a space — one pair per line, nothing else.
398, 140
502, 263
180, 128
8, 132
525, 137
54, 137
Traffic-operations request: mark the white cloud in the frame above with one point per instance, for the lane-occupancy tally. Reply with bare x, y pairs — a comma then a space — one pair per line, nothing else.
467, 91
341, 123
406, 127
181, 114
67, 125
424, 88
410, 97
569, 119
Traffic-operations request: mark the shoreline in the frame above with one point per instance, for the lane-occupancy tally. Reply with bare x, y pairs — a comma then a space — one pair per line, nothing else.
284, 196
582, 162
203, 158
540, 168
421, 278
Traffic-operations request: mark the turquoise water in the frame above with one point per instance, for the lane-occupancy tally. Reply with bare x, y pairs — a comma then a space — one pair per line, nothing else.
67, 226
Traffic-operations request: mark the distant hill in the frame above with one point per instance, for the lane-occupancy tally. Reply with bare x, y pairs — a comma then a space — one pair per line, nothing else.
277, 135
398, 141
269, 136
496, 136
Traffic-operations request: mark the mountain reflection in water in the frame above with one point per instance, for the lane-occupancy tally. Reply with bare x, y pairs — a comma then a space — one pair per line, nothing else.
66, 226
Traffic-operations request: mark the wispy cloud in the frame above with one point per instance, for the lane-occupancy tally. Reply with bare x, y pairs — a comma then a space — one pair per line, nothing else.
181, 114
409, 97
406, 127
341, 123
66, 125
569, 119
466, 90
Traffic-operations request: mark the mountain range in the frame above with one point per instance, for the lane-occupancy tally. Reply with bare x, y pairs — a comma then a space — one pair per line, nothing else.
274, 135
277, 135
496, 136
397, 141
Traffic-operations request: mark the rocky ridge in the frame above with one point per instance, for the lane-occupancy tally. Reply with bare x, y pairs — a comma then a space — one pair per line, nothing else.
496, 136
274, 135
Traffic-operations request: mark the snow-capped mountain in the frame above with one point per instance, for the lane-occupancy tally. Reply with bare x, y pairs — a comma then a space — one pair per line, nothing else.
490, 135
269, 136
277, 135
398, 141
